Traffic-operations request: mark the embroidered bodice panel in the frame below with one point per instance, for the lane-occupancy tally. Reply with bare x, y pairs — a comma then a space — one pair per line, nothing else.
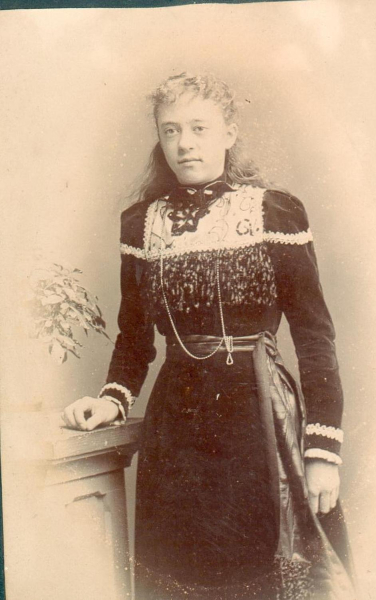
232, 221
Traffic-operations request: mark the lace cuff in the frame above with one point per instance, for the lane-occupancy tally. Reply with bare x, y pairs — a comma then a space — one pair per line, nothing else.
120, 393
323, 436
324, 455
119, 405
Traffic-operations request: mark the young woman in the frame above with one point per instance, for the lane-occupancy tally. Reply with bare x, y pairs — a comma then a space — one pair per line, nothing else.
238, 471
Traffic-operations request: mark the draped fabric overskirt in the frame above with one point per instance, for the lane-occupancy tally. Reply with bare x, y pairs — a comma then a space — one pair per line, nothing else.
222, 510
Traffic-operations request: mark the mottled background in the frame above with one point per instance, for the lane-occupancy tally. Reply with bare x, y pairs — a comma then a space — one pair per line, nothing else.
77, 130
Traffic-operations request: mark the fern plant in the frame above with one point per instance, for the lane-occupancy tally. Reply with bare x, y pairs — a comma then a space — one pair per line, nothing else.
60, 306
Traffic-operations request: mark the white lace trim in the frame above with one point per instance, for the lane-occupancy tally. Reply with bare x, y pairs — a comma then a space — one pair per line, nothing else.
289, 238
118, 403
327, 431
324, 454
300, 238
120, 388
137, 252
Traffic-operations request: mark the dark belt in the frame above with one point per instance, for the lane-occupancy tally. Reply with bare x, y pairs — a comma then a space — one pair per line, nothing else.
260, 345
202, 345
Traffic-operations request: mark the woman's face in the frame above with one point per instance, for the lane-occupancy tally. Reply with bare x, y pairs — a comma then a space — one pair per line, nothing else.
194, 138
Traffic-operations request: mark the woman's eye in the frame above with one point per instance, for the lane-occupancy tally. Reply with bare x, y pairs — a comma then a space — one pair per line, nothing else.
170, 131
199, 128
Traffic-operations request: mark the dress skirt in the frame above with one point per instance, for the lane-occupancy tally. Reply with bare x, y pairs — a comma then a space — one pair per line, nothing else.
222, 510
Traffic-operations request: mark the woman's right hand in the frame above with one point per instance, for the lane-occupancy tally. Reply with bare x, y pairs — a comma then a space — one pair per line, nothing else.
87, 413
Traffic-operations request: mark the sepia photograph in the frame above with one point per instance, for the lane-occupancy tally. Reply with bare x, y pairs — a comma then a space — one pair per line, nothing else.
187, 302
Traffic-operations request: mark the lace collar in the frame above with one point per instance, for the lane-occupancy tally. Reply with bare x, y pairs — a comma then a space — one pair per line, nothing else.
191, 203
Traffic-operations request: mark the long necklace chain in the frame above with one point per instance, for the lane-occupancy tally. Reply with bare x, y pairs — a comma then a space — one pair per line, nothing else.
226, 339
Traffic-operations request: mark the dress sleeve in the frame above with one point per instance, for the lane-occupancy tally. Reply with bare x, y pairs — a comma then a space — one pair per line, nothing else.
301, 299
134, 347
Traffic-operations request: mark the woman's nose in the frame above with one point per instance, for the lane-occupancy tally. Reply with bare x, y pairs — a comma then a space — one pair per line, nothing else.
186, 141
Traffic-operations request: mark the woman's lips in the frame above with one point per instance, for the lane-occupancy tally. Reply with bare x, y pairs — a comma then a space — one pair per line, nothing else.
188, 160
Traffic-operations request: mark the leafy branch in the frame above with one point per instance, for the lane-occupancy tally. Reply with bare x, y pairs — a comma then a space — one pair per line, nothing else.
59, 306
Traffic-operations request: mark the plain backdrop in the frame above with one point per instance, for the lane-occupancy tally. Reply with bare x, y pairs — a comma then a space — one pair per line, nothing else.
76, 130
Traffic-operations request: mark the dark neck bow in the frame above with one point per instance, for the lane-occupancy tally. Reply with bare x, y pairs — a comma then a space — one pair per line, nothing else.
191, 203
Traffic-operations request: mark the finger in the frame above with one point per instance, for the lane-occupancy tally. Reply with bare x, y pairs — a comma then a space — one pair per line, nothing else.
68, 417
333, 498
96, 419
78, 413
314, 502
325, 502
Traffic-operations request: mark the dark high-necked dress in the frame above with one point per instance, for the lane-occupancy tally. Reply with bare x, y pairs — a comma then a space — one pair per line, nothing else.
222, 510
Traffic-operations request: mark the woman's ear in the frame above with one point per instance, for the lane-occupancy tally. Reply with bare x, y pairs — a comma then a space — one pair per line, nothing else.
231, 134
